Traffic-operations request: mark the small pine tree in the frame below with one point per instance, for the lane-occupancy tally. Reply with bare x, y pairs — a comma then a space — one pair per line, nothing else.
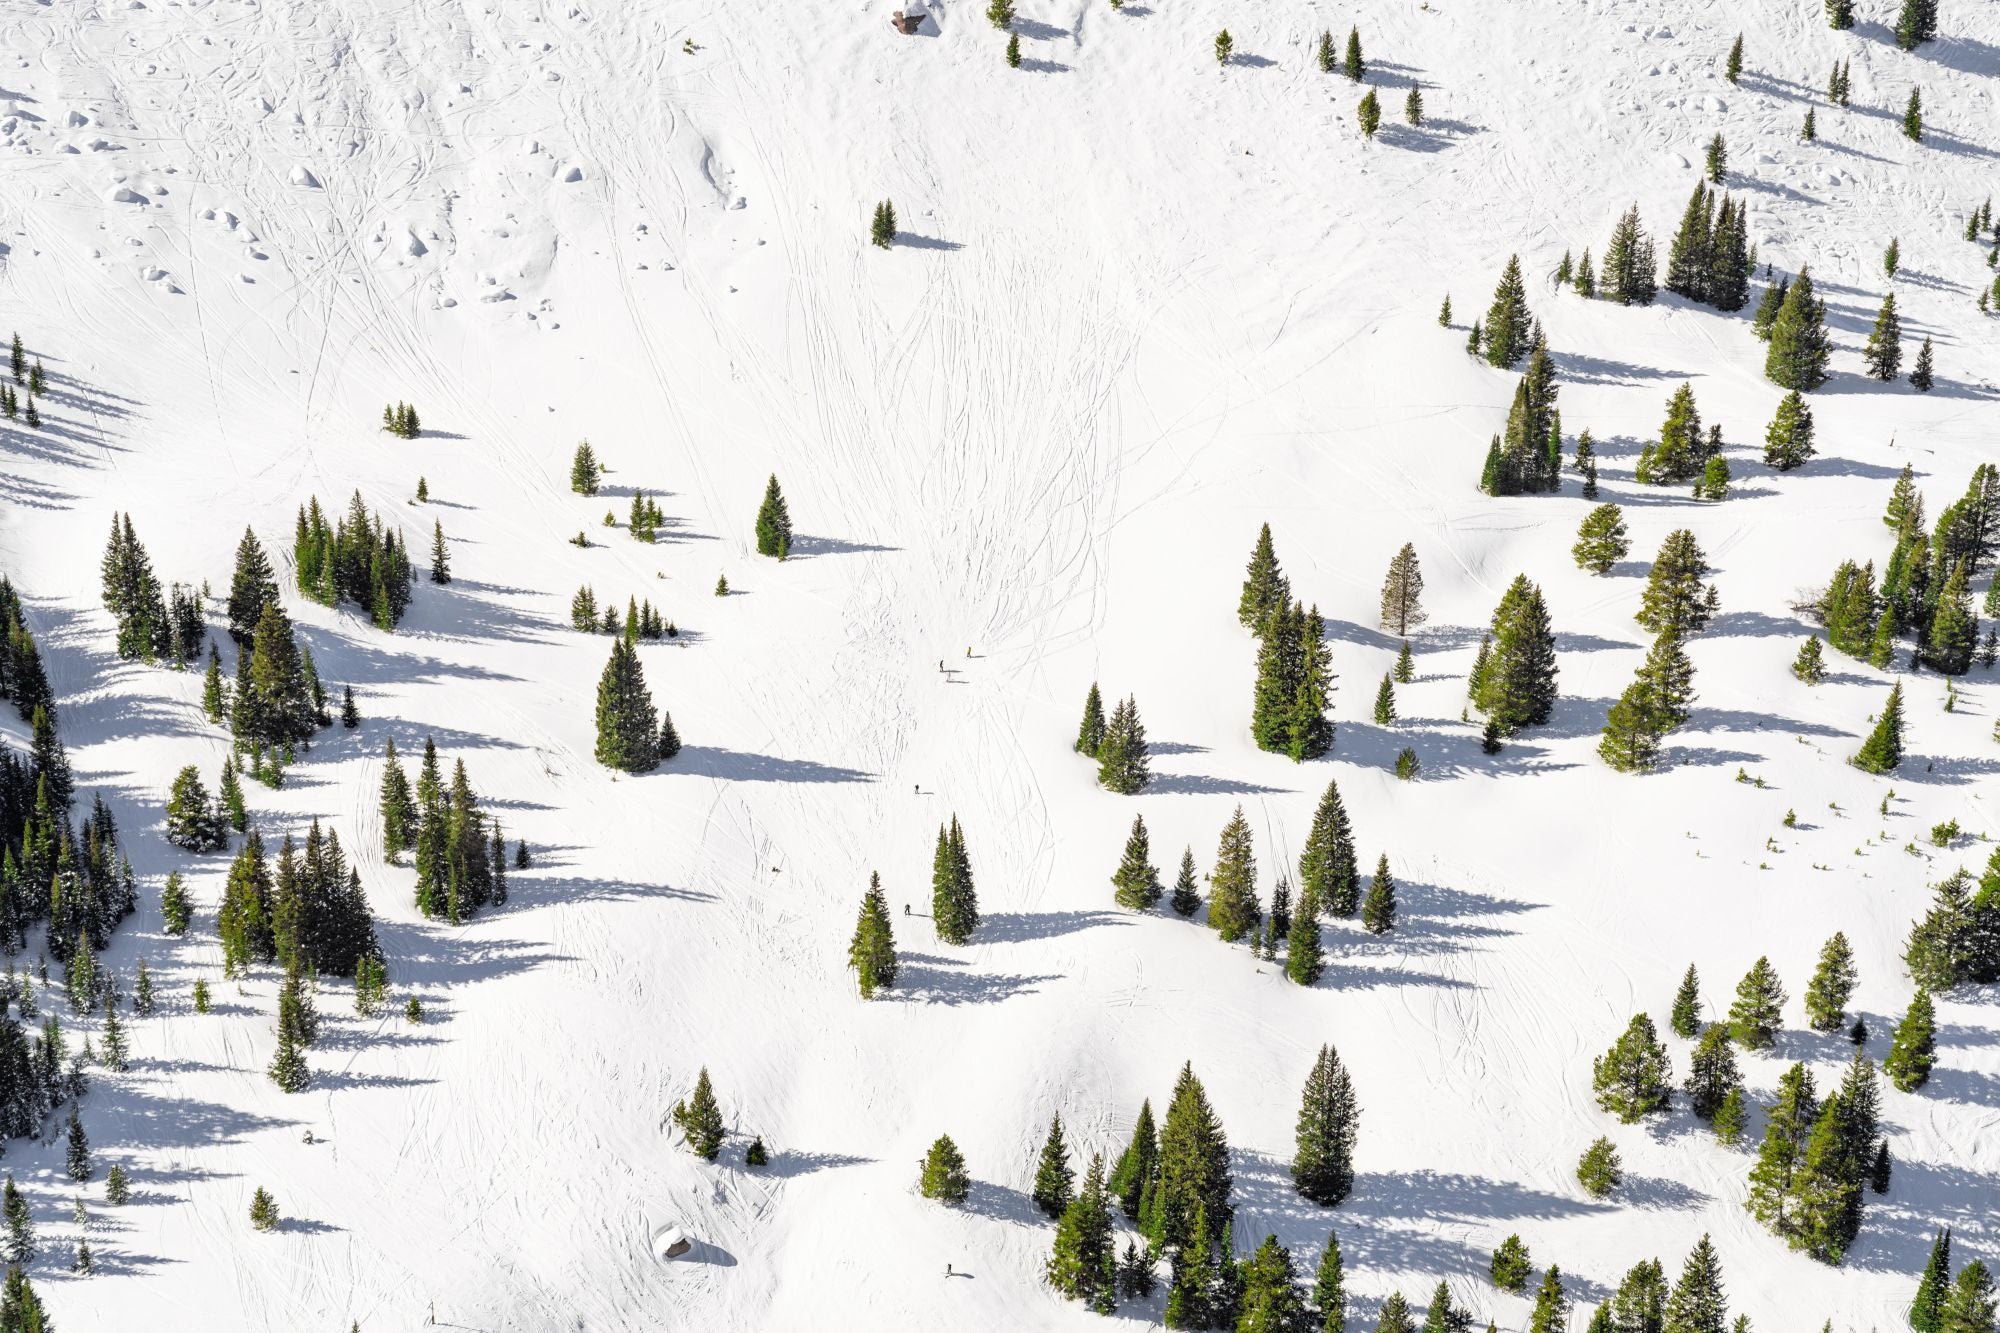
1444, 312
700, 1119
1788, 441
1913, 115
1600, 1171
1755, 1016
1717, 155
1810, 665
20, 1225
1921, 374
1831, 987
1511, 1265
1403, 593
1913, 1051
1808, 128
1323, 1164
350, 716
1601, 540
872, 951
201, 995
1413, 107
1686, 1016
1378, 912
1351, 64
76, 1155
1225, 46
1634, 1078
1186, 898
1883, 750
944, 1176
1733, 68
1232, 903
440, 557
1136, 881
117, 1186
263, 1210
774, 522
1368, 114
1385, 702
175, 910
1013, 50
1324, 58
1053, 1178
1406, 670
882, 231
585, 473
1884, 352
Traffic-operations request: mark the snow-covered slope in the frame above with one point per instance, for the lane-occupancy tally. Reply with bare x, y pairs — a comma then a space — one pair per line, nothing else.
1139, 306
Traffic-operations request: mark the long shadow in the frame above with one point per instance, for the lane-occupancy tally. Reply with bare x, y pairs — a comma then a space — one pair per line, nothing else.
788, 1164
1754, 624
1002, 1203
713, 761
1586, 369
1036, 31
1196, 784
928, 979
917, 242
420, 955
1019, 927
811, 546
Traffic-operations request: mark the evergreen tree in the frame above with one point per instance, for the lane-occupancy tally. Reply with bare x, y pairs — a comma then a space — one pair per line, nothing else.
1934, 1286
1053, 1178
872, 952
76, 1156
1884, 353
1305, 960
1368, 113
193, 823
229, 800
1083, 1264
1655, 703
1132, 1178
1913, 1052
1832, 986
1799, 347
627, 724
251, 589
882, 231
954, 898
1586, 278
585, 473
1324, 57
263, 1210
1840, 14
1406, 669
1378, 913
1232, 899
1551, 1312
1680, 451
1385, 702
1351, 64
1913, 115
1413, 107
1395, 1316
1403, 593
1138, 883
1916, 23
1225, 46
1518, 685
1675, 600
1507, 319
700, 1119
1323, 1165
1698, 1303
1970, 1307
1640, 1303
1191, 1212
1123, 763
1733, 69
1265, 587
1599, 1170
1954, 632
1883, 750
288, 1067
1686, 1018
1511, 1266
1788, 442
1329, 1291
1712, 1074
1601, 540
1776, 1178
1186, 899
1757, 1013
1272, 1298
1091, 734
20, 1225
175, 909
774, 522
1922, 376
1628, 274
116, 1053
1634, 1078
1717, 157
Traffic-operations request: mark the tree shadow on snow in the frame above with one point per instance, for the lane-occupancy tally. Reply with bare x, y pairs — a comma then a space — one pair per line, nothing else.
713, 761
1020, 927
928, 979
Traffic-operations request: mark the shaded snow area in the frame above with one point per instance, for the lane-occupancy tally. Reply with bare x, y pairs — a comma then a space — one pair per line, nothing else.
1139, 306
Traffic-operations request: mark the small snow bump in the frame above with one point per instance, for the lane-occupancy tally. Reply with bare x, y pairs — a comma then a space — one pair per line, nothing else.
572, 174
301, 176
124, 195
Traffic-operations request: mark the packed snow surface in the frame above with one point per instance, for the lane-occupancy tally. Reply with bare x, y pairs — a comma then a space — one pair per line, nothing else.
1139, 305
